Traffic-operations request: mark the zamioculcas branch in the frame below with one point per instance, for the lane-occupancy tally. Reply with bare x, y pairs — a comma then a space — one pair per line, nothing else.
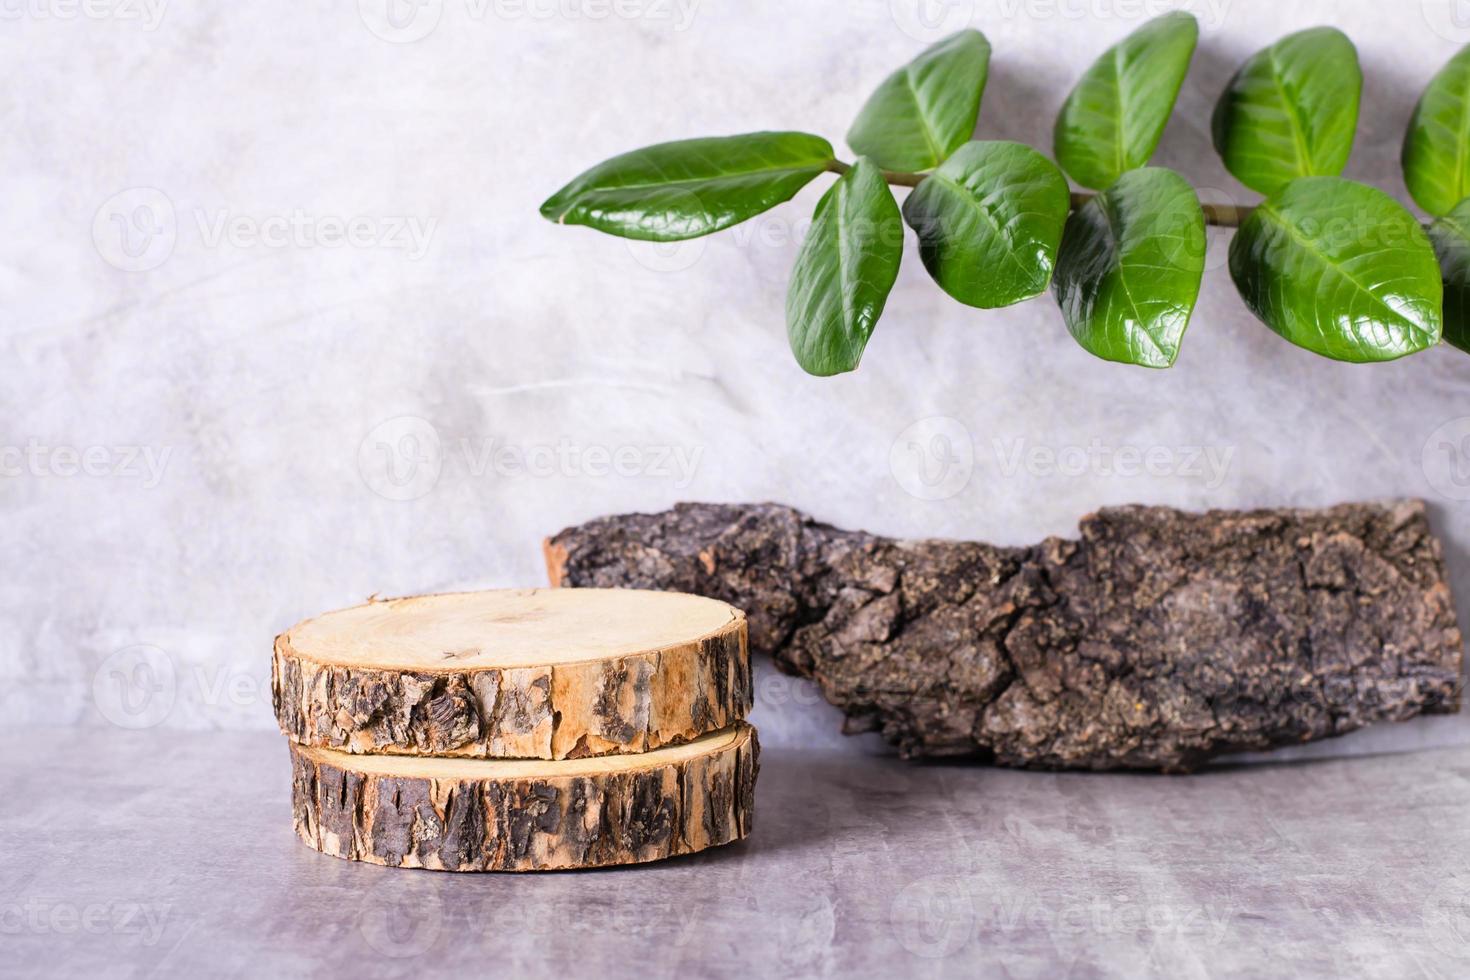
1331, 265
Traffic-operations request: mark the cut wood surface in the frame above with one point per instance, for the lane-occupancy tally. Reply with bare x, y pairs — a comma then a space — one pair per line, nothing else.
526, 815
524, 673
1156, 640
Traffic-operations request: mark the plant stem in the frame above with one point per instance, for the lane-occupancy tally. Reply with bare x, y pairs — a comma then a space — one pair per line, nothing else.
1220, 215
891, 176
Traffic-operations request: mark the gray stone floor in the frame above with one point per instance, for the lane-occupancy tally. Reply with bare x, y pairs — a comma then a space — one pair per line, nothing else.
135, 854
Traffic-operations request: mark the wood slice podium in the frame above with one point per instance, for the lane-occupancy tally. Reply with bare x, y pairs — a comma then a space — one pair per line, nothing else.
457, 814
514, 730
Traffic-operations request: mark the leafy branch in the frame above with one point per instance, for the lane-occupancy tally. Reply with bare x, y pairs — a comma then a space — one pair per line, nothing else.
1334, 266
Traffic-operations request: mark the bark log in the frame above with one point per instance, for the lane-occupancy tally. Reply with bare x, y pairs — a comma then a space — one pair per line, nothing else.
429, 675
1156, 640
504, 815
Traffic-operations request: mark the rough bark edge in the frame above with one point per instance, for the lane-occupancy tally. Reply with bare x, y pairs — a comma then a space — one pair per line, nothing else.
1028, 656
643, 813
630, 703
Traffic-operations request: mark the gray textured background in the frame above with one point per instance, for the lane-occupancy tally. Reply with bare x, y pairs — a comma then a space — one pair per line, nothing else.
219, 418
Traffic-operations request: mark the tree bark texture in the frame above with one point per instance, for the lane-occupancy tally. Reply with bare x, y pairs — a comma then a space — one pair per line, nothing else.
495, 815
628, 703
1155, 640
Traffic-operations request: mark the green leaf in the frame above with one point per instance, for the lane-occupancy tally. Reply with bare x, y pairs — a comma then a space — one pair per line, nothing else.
1130, 267
1341, 269
688, 188
847, 265
1114, 118
1451, 238
924, 111
1291, 110
989, 222
1437, 146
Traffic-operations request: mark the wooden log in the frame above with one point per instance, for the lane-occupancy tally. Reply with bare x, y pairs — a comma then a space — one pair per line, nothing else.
1154, 641
526, 815
530, 673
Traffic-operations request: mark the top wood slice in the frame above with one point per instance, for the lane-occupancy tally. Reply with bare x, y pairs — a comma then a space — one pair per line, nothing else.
525, 673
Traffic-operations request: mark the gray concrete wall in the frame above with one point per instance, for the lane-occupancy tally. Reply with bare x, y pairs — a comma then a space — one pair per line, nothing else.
226, 419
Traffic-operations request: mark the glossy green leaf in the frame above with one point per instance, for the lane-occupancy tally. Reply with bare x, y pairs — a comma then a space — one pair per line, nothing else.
688, 188
1114, 118
846, 267
927, 109
1341, 269
1291, 110
1451, 238
1130, 267
989, 221
1437, 146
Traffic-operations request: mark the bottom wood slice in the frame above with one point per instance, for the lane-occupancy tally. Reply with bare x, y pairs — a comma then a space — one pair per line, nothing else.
457, 814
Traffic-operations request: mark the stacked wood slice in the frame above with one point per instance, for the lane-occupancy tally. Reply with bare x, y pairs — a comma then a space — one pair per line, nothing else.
519, 730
